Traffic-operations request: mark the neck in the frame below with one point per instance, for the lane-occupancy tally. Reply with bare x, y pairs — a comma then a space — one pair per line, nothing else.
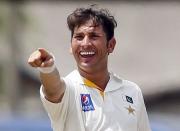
100, 78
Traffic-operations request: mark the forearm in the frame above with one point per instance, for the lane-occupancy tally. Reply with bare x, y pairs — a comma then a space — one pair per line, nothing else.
53, 86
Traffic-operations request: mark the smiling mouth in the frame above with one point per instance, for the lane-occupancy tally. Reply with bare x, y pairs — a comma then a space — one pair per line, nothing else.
86, 54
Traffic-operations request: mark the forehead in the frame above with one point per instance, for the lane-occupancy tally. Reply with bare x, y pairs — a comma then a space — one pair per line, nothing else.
89, 27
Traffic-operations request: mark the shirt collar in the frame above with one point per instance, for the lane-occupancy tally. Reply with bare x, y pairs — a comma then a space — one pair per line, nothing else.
114, 82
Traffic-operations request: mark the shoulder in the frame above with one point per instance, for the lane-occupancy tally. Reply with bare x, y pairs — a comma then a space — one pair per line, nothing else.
73, 78
127, 85
73, 74
130, 89
131, 85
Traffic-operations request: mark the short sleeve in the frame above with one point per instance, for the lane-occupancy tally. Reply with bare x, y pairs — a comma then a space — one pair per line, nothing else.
57, 112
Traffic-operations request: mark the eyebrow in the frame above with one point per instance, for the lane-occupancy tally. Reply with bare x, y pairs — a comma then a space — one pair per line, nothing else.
95, 33
89, 32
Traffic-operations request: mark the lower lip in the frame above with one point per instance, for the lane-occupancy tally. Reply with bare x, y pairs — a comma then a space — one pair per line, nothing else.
87, 58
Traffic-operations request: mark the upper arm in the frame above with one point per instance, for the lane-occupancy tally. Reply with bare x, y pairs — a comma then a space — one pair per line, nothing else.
143, 121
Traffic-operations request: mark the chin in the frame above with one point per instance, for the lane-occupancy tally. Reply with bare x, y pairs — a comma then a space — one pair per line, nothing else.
85, 66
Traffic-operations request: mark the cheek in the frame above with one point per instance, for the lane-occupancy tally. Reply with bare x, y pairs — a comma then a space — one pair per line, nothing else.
74, 49
102, 46
74, 44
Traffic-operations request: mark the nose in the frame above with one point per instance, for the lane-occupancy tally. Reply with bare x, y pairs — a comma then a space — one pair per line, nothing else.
86, 41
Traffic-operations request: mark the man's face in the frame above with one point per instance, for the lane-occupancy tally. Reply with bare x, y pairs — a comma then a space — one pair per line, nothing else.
90, 47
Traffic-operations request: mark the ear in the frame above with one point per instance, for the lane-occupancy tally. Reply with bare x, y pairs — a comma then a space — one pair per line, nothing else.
111, 45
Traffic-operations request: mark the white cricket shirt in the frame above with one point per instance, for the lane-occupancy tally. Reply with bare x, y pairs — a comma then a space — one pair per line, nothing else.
85, 108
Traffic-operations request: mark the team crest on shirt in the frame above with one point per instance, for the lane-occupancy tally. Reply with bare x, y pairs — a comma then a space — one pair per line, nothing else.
129, 99
86, 102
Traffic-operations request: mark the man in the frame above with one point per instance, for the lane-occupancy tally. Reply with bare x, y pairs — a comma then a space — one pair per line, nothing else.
89, 98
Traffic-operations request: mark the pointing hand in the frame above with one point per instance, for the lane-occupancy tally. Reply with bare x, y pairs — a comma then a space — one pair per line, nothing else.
41, 58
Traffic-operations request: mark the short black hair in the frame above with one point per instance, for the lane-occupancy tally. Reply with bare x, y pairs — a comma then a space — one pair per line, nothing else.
98, 16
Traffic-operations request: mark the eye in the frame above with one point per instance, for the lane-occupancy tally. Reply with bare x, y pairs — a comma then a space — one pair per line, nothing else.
94, 36
78, 37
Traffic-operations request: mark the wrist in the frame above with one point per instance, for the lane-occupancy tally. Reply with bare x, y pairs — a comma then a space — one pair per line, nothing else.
47, 70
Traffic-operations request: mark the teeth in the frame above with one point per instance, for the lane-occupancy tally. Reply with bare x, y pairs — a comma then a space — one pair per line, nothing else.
87, 53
